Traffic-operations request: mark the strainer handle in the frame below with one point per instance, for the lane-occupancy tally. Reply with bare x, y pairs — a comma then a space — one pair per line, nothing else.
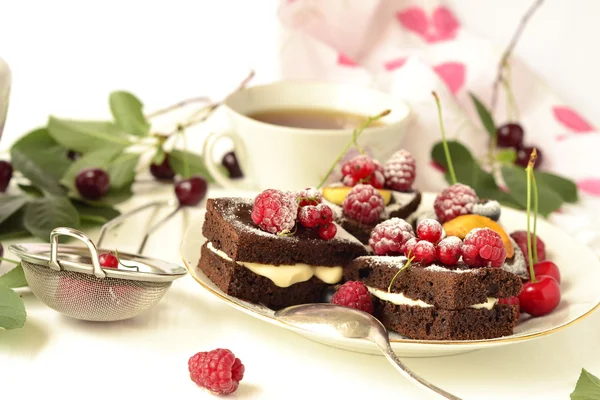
98, 272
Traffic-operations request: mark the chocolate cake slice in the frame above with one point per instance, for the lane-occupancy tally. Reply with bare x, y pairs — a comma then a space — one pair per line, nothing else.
436, 302
274, 270
402, 205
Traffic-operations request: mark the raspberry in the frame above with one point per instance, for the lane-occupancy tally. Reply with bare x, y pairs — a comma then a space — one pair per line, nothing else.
218, 370
449, 250
275, 211
364, 203
354, 294
327, 231
520, 237
409, 247
363, 169
424, 252
400, 171
455, 200
430, 230
390, 236
309, 196
512, 301
483, 247
309, 216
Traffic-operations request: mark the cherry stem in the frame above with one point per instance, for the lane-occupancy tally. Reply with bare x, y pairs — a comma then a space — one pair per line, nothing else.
407, 265
529, 171
173, 107
186, 161
535, 210
122, 263
353, 141
444, 142
9, 260
509, 49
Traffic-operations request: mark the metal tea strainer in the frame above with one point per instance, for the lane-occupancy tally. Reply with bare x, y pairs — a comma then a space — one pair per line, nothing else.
70, 279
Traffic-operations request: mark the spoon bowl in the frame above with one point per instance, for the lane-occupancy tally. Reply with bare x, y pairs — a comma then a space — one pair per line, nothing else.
331, 319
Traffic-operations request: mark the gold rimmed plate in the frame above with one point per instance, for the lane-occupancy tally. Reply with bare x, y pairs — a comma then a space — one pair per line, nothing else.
580, 274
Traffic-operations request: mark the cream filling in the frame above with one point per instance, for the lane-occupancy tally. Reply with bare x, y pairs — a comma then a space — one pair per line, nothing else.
287, 275
401, 300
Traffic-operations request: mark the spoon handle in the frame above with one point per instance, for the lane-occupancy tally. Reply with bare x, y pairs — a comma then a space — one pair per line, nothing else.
387, 351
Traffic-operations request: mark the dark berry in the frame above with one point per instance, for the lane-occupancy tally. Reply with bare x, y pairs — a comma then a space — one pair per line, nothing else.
230, 162
73, 155
1, 250
6, 173
523, 155
510, 135
108, 260
92, 183
163, 170
309, 216
191, 191
327, 231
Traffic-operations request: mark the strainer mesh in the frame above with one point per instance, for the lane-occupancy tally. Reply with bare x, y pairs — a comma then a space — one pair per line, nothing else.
87, 297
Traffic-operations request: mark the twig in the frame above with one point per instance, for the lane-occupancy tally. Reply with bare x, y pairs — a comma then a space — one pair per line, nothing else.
183, 103
508, 51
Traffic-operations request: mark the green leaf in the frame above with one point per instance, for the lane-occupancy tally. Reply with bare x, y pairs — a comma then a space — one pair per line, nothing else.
127, 111
458, 152
31, 190
15, 278
44, 214
122, 170
95, 214
38, 166
13, 227
563, 187
159, 157
39, 139
86, 136
99, 158
112, 198
506, 156
587, 387
10, 205
484, 115
196, 163
516, 180
12, 309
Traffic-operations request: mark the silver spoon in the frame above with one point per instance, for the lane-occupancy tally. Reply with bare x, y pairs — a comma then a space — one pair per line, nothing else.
351, 323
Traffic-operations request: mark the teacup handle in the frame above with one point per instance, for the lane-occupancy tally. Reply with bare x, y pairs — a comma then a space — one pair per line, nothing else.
215, 170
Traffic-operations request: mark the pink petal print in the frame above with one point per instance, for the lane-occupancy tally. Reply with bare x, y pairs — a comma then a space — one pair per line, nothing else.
453, 73
445, 23
395, 64
346, 61
571, 119
414, 19
590, 186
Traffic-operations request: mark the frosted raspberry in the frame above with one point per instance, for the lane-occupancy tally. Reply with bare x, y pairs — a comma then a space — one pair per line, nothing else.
327, 231
513, 301
390, 236
218, 371
313, 216
364, 204
275, 211
363, 169
520, 237
430, 230
409, 247
424, 252
449, 250
354, 294
309, 196
455, 200
483, 247
400, 171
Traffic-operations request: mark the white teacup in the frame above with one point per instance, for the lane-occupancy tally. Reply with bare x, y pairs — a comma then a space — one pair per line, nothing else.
289, 158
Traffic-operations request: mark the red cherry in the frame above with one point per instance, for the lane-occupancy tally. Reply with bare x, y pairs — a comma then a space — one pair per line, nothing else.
92, 183
191, 191
108, 260
163, 171
523, 155
540, 297
6, 173
547, 267
510, 135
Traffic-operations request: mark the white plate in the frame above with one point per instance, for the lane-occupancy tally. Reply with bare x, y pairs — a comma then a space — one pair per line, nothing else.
580, 275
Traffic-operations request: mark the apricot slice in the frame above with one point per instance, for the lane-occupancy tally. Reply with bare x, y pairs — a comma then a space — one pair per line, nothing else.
337, 194
463, 224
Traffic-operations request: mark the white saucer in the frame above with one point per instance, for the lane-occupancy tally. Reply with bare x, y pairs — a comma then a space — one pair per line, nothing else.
580, 275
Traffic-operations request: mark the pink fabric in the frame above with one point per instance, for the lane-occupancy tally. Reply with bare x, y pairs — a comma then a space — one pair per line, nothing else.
409, 48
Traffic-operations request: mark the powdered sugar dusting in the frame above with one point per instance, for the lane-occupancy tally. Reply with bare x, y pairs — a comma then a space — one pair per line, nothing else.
401, 200
439, 268
400, 171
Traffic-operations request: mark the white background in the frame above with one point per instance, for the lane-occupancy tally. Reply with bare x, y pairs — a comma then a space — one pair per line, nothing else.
67, 56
